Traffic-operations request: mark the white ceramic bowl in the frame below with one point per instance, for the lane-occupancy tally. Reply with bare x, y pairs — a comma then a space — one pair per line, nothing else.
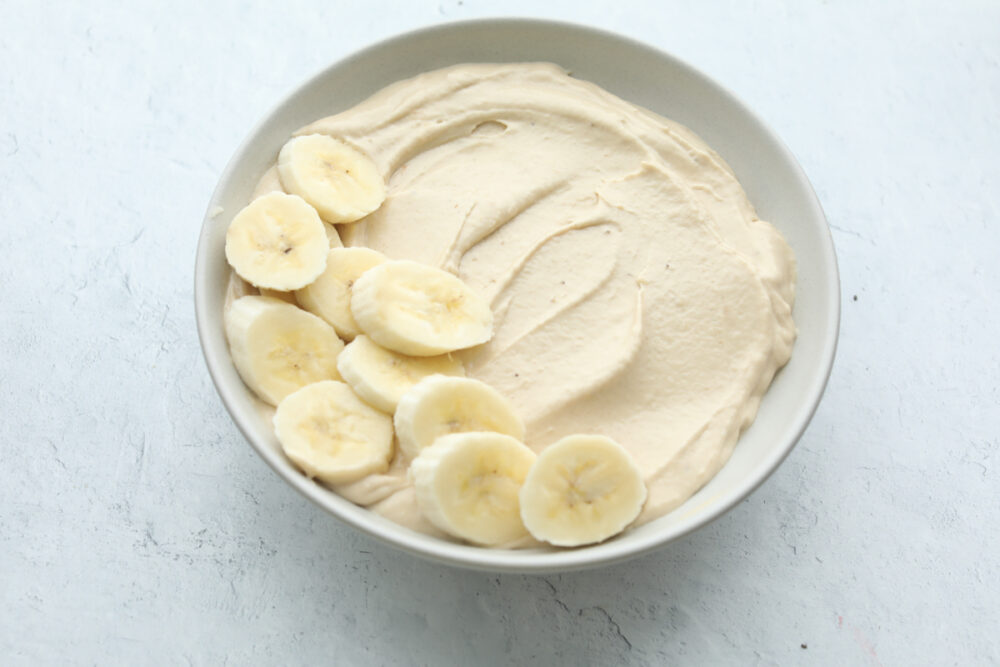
640, 74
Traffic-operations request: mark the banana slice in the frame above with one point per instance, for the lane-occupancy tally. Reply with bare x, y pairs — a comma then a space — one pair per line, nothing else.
467, 485
438, 405
329, 296
333, 435
341, 182
381, 376
582, 489
419, 310
278, 242
278, 348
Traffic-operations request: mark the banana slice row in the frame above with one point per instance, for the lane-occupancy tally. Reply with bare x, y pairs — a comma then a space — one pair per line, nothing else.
490, 489
338, 407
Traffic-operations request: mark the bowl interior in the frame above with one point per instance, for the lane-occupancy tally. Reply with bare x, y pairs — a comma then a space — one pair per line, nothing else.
640, 74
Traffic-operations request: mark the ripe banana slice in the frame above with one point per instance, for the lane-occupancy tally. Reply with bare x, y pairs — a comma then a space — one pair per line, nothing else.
329, 296
278, 348
419, 310
438, 405
333, 435
582, 489
277, 242
341, 182
467, 485
381, 376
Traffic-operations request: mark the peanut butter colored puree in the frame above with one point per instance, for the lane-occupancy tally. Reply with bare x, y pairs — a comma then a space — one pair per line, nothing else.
636, 294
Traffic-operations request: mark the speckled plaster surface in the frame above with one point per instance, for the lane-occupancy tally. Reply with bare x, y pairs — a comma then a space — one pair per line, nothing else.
137, 527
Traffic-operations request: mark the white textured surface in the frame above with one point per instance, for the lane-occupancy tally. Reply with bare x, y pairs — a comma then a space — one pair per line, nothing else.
136, 526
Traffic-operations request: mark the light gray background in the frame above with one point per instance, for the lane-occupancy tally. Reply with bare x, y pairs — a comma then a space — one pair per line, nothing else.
136, 526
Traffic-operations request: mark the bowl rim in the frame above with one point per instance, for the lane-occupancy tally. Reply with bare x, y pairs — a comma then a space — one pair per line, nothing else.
498, 560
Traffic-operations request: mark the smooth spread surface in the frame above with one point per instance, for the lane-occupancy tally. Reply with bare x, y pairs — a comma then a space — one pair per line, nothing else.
636, 293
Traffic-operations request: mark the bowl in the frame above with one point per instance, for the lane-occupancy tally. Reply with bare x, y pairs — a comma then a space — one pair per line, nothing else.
643, 75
